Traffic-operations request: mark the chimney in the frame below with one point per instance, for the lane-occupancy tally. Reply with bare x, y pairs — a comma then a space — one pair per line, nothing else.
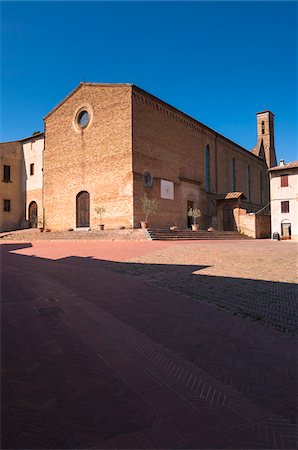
282, 162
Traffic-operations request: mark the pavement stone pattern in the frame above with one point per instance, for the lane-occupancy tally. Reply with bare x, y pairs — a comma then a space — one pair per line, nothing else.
130, 365
255, 280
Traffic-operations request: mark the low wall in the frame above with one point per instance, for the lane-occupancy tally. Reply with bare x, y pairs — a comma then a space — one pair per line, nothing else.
256, 226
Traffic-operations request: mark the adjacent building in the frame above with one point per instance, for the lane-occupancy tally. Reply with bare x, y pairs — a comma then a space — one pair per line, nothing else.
109, 144
284, 199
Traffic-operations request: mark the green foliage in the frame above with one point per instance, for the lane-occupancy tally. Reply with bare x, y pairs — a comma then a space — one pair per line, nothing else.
149, 205
100, 210
195, 213
36, 132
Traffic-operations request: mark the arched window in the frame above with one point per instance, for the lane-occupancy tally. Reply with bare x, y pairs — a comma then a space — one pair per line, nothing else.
207, 168
248, 183
233, 175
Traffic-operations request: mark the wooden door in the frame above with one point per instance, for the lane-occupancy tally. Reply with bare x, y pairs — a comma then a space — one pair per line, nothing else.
228, 219
33, 215
83, 209
189, 219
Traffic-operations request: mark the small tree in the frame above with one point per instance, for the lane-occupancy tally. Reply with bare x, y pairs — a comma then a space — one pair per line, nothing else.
195, 213
100, 210
149, 206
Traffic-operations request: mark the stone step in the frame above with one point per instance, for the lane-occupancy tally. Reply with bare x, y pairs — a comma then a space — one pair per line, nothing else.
167, 235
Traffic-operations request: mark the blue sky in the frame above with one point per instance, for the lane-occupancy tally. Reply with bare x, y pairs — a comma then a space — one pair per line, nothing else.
220, 62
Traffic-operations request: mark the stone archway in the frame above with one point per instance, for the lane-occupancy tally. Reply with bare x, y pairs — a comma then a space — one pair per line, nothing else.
33, 215
83, 209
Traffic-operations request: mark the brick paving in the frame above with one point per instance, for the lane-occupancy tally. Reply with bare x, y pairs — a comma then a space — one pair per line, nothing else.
128, 364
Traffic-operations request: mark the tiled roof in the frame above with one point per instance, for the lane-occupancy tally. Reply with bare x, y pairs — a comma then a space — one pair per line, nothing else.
290, 165
230, 195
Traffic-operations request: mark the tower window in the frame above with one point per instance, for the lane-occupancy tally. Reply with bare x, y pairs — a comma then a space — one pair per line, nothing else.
6, 173
263, 127
233, 175
285, 206
207, 168
284, 181
32, 169
6, 205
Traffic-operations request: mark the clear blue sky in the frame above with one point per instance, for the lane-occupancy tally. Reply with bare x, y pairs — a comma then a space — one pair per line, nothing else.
219, 62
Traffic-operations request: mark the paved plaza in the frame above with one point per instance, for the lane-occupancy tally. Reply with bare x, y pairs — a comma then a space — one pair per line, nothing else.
138, 345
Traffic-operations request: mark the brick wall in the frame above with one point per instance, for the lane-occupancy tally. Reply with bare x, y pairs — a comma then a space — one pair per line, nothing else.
96, 159
172, 146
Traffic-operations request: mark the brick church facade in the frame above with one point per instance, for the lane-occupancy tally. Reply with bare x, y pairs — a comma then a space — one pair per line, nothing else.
109, 144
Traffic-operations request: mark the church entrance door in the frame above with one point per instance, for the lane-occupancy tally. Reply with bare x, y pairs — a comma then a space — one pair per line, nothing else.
228, 219
83, 209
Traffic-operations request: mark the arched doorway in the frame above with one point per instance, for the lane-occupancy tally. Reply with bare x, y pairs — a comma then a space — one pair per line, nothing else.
228, 219
83, 209
32, 215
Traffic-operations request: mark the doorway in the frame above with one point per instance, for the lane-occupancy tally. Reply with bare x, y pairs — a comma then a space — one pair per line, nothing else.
228, 219
189, 219
286, 230
32, 214
83, 209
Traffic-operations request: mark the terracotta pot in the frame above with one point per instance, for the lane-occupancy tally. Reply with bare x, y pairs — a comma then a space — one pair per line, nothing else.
101, 226
144, 224
195, 227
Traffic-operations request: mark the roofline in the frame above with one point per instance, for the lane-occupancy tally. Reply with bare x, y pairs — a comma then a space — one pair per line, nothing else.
199, 123
266, 111
284, 167
134, 86
83, 83
33, 136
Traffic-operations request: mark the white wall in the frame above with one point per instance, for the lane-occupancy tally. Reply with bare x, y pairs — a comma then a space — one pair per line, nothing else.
33, 154
279, 194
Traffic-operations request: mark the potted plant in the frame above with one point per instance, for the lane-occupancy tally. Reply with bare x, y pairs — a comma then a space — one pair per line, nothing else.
149, 206
195, 213
100, 210
40, 224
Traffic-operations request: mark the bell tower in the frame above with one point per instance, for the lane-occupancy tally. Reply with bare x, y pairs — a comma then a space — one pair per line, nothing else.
265, 130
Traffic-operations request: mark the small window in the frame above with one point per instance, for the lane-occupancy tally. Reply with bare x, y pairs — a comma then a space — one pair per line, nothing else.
6, 205
285, 207
284, 182
6, 173
32, 169
263, 127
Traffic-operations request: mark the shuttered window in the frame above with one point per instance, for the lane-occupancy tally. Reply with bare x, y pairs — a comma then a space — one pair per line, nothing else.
285, 207
284, 182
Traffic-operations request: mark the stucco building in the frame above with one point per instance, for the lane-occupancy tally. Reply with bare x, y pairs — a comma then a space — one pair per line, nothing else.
108, 144
284, 199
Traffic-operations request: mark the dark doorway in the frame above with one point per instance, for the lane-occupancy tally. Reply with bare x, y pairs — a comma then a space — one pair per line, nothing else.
228, 219
189, 219
83, 209
32, 215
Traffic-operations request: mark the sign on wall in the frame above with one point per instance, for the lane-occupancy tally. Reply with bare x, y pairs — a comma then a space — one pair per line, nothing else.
167, 189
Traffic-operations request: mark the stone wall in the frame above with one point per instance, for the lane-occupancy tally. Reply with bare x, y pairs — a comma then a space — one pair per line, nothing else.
256, 226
